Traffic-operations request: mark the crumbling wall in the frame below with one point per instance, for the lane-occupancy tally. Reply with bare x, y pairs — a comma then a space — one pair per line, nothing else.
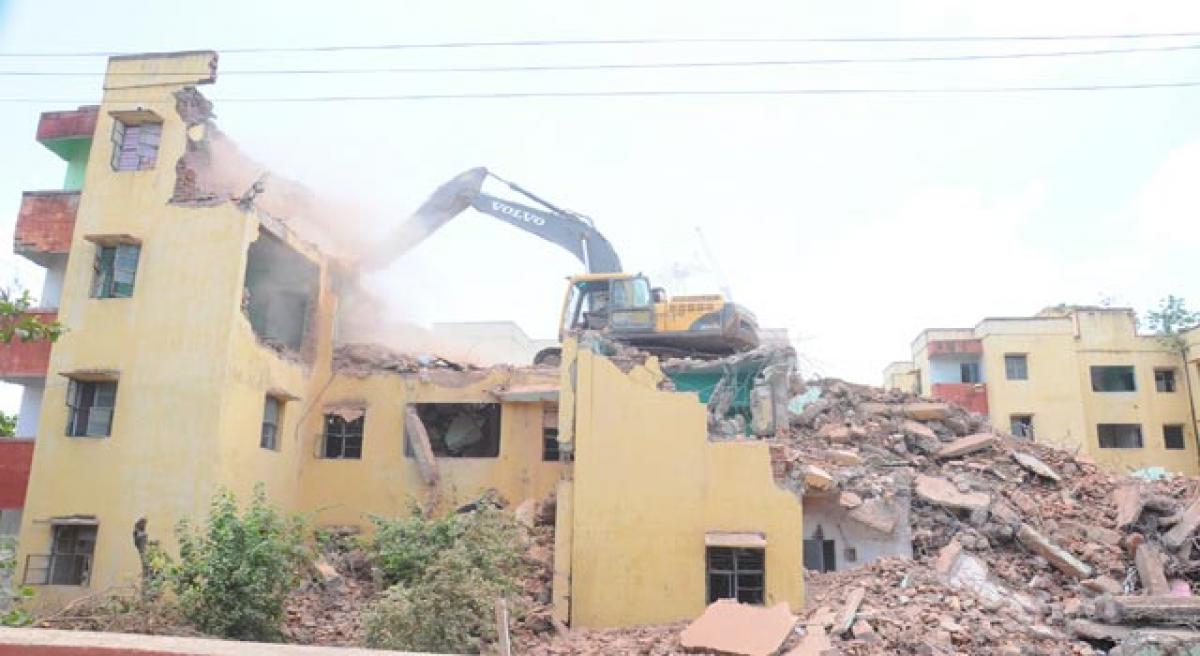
880, 530
280, 294
648, 486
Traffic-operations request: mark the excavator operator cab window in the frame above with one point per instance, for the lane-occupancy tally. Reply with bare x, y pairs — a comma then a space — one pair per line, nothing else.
630, 293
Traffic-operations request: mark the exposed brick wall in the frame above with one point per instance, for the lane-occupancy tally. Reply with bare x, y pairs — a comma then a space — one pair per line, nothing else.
71, 124
19, 358
16, 457
46, 221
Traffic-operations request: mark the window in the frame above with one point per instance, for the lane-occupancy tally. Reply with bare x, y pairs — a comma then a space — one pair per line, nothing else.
70, 559
1164, 380
114, 269
1113, 379
1173, 436
269, 439
969, 372
1120, 436
820, 555
91, 408
343, 439
735, 573
135, 146
1021, 425
461, 430
550, 451
1016, 367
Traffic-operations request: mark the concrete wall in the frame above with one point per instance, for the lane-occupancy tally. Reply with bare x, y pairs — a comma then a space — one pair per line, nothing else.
30, 413
825, 513
647, 487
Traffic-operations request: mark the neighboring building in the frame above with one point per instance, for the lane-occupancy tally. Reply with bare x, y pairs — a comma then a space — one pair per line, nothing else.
200, 354
491, 342
1077, 377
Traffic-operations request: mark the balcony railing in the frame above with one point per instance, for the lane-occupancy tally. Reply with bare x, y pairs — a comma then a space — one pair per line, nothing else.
58, 569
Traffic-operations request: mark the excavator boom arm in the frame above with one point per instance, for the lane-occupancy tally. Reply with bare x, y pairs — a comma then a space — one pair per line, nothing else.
570, 231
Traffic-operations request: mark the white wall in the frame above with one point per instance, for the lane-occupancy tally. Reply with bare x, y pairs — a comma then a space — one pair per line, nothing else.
53, 282
31, 407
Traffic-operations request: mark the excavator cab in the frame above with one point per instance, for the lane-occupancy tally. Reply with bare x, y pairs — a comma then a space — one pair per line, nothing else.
608, 302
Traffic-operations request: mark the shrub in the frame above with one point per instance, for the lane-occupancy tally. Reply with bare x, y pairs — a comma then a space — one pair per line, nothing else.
446, 573
234, 575
11, 595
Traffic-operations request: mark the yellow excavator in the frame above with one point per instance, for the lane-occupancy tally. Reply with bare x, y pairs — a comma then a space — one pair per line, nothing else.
621, 306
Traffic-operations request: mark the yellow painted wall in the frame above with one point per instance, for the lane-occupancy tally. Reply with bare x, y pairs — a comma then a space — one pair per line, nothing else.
386, 482
193, 377
647, 486
1061, 347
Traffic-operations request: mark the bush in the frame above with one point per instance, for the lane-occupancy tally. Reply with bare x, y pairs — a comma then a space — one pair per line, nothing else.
446, 574
11, 595
233, 576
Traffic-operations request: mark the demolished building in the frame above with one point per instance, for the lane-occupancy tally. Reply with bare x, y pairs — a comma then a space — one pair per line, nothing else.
205, 349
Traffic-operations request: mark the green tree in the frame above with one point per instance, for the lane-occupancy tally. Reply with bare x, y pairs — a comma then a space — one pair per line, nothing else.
16, 322
234, 575
8, 424
1171, 319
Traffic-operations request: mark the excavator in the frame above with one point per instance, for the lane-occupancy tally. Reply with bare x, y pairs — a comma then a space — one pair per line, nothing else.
623, 307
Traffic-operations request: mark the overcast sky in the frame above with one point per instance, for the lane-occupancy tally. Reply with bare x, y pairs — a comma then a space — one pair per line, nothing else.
854, 221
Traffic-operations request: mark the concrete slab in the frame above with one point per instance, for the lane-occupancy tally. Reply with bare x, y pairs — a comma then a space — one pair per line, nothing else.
729, 627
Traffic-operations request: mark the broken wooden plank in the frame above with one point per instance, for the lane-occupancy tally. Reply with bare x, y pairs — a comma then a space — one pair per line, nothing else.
1149, 562
967, 445
1128, 499
422, 449
504, 640
845, 617
1035, 465
1060, 558
1189, 521
1183, 611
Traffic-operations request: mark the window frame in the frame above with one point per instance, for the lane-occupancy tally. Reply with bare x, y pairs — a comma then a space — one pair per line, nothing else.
1010, 362
970, 373
114, 269
1167, 441
1164, 377
269, 440
347, 430
1141, 436
1097, 372
79, 558
735, 573
1013, 421
89, 390
140, 139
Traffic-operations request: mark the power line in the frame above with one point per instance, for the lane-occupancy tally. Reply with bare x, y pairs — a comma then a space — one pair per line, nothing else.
650, 65
645, 41
658, 93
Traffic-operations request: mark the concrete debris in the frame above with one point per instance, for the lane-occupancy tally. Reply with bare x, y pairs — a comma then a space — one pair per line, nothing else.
361, 360
942, 492
1178, 611
845, 617
1149, 562
814, 643
924, 411
849, 500
422, 448
1054, 554
966, 445
1036, 466
729, 627
1188, 522
876, 514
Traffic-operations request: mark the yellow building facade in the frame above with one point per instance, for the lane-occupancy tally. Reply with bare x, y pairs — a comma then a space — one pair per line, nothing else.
201, 354
1080, 378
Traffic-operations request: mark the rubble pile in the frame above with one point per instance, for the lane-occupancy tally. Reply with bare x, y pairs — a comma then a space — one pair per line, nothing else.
1017, 546
327, 608
364, 359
